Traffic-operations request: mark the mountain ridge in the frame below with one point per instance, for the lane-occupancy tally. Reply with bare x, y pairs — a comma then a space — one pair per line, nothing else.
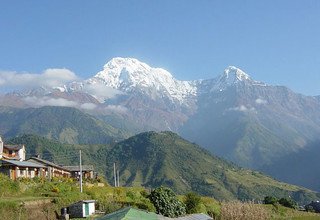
232, 115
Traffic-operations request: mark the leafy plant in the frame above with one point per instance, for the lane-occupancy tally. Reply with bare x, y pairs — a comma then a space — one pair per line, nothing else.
193, 202
166, 202
287, 202
270, 200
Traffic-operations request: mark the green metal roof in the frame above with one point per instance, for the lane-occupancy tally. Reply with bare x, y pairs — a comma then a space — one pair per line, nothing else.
130, 213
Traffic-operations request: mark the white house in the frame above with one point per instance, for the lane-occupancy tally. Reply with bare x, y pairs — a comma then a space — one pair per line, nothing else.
81, 209
12, 152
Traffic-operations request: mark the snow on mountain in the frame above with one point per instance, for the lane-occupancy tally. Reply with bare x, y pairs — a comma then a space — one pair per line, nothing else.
231, 76
128, 74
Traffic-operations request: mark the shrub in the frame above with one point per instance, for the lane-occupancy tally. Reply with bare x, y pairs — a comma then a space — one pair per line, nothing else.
8, 186
287, 202
166, 202
270, 200
192, 202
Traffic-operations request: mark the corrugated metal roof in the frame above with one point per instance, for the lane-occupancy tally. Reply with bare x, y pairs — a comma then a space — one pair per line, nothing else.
46, 162
194, 217
130, 213
77, 168
22, 163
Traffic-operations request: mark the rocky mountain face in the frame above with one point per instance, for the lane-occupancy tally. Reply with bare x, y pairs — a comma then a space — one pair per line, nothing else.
250, 122
232, 115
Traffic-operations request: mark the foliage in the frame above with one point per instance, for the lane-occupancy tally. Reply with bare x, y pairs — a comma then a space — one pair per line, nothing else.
288, 202
193, 203
153, 159
74, 127
270, 200
166, 202
7, 186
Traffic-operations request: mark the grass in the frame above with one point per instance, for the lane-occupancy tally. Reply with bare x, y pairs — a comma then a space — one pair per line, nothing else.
26, 199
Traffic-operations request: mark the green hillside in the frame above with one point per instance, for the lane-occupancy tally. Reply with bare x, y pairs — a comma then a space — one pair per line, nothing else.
152, 159
68, 125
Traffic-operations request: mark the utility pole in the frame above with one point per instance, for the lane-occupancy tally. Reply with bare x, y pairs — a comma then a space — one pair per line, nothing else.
114, 174
118, 178
80, 168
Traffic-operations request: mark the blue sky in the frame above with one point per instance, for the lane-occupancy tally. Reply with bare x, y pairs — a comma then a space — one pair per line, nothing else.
274, 41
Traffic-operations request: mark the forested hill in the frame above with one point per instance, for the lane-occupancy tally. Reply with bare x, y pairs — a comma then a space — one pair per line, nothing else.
152, 159
68, 125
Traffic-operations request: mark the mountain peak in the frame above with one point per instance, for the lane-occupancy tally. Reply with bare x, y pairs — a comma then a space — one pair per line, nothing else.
128, 74
131, 64
235, 73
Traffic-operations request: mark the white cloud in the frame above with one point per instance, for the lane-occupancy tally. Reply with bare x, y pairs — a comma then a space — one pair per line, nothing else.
101, 91
50, 78
47, 101
88, 106
116, 108
243, 108
261, 101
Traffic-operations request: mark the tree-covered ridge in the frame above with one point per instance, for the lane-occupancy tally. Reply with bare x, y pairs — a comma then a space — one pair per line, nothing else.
164, 159
153, 159
68, 125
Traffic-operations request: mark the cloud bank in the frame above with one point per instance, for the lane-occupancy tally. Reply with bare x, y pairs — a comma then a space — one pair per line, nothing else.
49, 77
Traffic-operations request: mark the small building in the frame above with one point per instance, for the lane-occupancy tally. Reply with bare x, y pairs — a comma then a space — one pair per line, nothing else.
81, 209
16, 169
54, 170
87, 171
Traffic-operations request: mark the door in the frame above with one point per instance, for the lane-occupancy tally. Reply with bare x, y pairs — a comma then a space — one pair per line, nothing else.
86, 208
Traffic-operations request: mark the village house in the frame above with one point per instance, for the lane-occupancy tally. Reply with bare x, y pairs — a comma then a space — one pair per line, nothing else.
13, 163
87, 171
12, 152
54, 170
22, 169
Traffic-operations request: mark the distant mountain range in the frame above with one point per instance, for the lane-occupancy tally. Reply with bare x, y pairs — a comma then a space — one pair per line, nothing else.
234, 116
153, 159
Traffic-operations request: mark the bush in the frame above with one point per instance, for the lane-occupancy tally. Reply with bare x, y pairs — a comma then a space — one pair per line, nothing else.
166, 202
193, 203
287, 202
8, 186
270, 200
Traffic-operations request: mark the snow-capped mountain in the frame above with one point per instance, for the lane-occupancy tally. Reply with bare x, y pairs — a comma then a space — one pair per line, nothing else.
129, 74
232, 115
